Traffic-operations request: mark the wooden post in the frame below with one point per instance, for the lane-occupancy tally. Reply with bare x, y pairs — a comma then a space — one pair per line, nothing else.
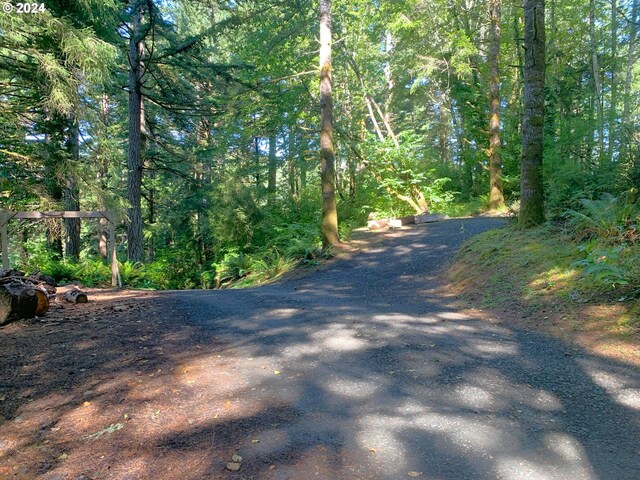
116, 281
4, 219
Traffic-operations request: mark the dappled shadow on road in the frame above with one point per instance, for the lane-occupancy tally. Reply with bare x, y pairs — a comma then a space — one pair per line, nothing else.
360, 371
452, 398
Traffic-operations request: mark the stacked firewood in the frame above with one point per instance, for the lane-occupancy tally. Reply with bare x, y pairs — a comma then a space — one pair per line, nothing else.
24, 296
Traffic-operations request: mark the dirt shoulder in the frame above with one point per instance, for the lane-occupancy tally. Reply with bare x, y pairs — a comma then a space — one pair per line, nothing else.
90, 390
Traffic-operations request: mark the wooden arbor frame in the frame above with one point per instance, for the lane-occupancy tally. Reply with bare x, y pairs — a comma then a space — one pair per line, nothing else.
6, 216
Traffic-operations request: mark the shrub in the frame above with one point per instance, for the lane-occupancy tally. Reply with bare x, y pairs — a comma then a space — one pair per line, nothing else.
233, 266
612, 219
609, 230
602, 264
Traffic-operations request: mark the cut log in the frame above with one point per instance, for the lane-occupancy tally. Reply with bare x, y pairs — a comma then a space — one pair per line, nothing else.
43, 301
76, 296
381, 224
410, 220
44, 278
430, 218
17, 301
4, 273
29, 281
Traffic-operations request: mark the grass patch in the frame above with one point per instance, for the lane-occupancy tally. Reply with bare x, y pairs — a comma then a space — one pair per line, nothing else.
510, 264
540, 275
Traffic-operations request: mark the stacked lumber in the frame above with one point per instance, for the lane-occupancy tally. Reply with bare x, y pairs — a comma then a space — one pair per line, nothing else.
23, 296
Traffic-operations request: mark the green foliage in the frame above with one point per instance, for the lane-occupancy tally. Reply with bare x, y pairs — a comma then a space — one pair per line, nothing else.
542, 272
610, 229
233, 266
298, 240
131, 274
473, 206
218, 85
566, 185
90, 272
602, 265
610, 219
402, 172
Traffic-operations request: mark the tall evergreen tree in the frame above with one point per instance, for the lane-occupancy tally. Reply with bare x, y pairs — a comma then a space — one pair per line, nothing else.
531, 185
496, 197
135, 158
327, 152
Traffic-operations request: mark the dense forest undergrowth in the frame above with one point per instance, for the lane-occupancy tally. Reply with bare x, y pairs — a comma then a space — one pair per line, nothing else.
277, 240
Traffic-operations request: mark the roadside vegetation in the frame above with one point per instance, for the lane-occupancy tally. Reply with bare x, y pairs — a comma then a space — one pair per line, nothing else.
257, 245
578, 275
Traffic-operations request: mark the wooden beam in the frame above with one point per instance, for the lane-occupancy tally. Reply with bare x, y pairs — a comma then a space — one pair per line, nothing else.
6, 216
116, 280
64, 214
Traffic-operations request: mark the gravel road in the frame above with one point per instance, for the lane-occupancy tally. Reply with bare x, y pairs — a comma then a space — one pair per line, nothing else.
363, 371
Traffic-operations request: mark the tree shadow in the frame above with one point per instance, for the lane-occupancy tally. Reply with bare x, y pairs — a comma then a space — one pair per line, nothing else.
351, 373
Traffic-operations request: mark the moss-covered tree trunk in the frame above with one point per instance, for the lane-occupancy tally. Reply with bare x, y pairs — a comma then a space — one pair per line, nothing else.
531, 186
496, 197
327, 152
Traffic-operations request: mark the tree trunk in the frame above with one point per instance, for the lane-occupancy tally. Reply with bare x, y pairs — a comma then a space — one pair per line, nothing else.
203, 177
257, 166
294, 170
613, 128
631, 60
352, 175
389, 45
22, 243
102, 171
531, 186
302, 165
135, 242
54, 192
496, 197
327, 153
597, 83
71, 194
272, 168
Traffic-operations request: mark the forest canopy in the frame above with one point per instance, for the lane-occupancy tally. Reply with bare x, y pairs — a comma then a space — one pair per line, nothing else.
198, 124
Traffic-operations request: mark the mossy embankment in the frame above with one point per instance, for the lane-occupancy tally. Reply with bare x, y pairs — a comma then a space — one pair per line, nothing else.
538, 279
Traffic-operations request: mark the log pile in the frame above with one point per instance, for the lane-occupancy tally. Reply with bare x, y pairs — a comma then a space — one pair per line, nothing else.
387, 223
23, 296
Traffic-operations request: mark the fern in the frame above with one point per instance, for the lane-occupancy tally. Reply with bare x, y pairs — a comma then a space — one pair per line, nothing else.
612, 219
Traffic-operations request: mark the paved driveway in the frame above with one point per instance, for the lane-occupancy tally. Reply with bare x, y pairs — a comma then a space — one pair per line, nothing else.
364, 371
